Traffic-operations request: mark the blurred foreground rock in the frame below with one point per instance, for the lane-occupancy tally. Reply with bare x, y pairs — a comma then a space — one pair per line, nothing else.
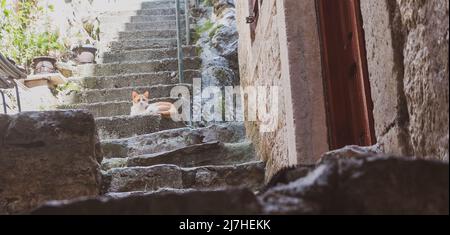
47, 156
365, 185
360, 185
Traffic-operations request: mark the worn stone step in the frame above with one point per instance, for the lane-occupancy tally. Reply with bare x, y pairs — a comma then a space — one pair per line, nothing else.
150, 18
143, 44
131, 18
133, 35
116, 27
101, 6
114, 108
138, 80
119, 32
166, 202
147, 26
147, 54
211, 153
248, 175
170, 140
129, 126
160, 4
143, 193
124, 94
138, 11
158, 11
126, 14
114, 69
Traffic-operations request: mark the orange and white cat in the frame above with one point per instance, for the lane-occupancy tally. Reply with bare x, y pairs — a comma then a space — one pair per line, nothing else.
141, 106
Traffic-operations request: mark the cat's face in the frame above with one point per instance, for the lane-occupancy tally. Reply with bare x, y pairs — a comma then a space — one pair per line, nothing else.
141, 100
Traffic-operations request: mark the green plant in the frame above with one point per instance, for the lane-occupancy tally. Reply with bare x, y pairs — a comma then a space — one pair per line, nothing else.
46, 42
14, 28
198, 51
207, 3
214, 30
17, 41
68, 88
92, 31
200, 29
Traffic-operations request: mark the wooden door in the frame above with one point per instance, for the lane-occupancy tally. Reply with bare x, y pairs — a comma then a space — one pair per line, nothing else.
349, 105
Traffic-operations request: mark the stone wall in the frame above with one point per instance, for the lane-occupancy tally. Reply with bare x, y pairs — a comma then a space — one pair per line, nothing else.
260, 64
279, 56
47, 156
407, 49
407, 53
218, 45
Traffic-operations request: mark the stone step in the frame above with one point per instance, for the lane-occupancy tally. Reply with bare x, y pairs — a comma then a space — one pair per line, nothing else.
138, 80
147, 26
131, 18
158, 11
160, 4
143, 44
129, 126
100, 6
128, 35
114, 69
119, 32
116, 28
126, 14
110, 109
142, 193
249, 175
170, 140
124, 94
152, 18
147, 55
204, 154
164, 202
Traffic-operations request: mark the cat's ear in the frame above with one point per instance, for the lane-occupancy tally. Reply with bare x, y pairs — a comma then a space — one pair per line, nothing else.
134, 95
147, 94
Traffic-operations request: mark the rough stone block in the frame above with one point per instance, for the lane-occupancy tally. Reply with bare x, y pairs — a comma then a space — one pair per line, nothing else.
365, 185
47, 156
231, 202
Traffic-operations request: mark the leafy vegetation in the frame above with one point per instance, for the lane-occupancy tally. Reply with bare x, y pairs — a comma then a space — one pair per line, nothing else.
199, 30
214, 30
44, 43
92, 31
17, 41
68, 88
207, 2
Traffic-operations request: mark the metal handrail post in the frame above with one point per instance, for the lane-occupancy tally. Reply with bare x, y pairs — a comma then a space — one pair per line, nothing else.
179, 44
19, 106
188, 23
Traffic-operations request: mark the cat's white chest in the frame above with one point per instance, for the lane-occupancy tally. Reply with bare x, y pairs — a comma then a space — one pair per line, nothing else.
137, 110
151, 109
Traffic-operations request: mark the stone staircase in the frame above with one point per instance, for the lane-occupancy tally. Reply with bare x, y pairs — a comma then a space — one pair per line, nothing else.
146, 154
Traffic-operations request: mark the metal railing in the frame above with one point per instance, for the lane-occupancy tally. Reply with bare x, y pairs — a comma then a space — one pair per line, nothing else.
187, 10
9, 73
180, 55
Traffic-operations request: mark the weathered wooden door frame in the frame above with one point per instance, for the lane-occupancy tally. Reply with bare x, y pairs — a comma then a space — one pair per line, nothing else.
363, 84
